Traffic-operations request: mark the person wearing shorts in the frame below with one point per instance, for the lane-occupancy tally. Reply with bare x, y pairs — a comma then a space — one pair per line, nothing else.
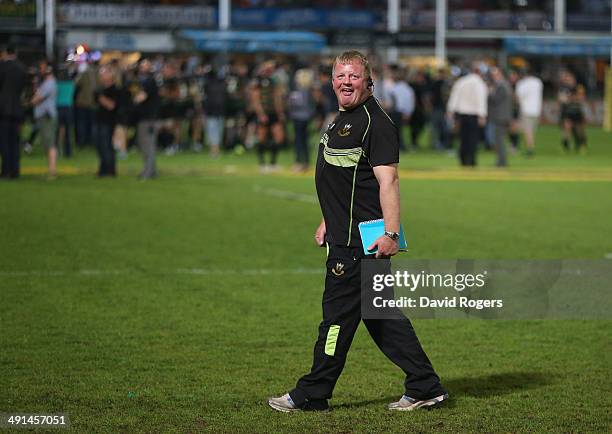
529, 95
268, 105
45, 115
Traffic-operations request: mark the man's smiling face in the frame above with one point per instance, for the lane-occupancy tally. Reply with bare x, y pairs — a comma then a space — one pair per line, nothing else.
350, 84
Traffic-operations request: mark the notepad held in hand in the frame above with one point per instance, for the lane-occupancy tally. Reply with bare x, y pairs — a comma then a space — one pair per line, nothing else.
371, 230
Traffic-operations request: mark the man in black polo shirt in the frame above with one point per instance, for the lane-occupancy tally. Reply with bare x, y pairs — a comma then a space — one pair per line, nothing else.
107, 97
357, 180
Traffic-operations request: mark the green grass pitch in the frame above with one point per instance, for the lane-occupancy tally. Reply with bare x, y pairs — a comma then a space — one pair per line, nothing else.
180, 304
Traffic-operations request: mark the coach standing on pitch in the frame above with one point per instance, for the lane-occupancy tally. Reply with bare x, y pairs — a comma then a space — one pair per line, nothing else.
357, 180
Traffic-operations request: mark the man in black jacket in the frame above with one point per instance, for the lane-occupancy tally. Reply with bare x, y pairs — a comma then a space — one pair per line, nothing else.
107, 96
12, 82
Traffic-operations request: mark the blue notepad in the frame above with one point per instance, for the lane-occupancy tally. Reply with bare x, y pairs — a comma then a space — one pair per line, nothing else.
373, 229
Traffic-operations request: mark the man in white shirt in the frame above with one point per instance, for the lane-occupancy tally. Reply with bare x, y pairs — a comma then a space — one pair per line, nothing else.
468, 104
529, 94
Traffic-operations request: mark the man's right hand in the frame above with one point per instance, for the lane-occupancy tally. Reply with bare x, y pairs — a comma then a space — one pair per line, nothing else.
320, 234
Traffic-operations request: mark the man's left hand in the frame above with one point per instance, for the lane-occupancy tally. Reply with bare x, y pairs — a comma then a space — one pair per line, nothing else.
386, 246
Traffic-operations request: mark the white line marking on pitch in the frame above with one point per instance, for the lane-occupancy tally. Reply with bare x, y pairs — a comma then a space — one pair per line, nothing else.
188, 271
256, 271
285, 194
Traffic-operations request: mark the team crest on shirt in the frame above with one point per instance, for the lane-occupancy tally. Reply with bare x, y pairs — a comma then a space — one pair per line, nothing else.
345, 131
338, 270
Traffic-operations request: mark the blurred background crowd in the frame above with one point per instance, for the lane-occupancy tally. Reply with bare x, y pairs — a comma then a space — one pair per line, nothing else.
173, 104
109, 79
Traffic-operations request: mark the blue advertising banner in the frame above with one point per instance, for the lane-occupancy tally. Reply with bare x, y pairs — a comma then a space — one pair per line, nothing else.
310, 18
597, 46
251, 42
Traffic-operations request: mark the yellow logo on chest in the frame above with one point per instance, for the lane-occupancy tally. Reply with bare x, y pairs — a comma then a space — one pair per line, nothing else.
345, 131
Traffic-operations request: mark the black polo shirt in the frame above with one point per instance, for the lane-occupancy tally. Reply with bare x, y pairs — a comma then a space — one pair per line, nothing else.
103, 115
355, 142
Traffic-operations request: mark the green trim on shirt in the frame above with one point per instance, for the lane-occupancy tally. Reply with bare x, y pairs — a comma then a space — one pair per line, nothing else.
342, 157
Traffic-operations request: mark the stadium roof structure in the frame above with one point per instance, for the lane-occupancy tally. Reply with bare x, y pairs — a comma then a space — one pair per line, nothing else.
252, 42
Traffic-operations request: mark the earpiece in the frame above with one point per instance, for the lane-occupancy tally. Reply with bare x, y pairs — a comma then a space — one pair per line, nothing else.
370, 83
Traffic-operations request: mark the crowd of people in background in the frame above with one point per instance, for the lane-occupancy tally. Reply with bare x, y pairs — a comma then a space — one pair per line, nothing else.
173, 104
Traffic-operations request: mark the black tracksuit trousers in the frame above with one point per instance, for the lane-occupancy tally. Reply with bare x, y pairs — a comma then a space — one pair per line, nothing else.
341, 317
469, 131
